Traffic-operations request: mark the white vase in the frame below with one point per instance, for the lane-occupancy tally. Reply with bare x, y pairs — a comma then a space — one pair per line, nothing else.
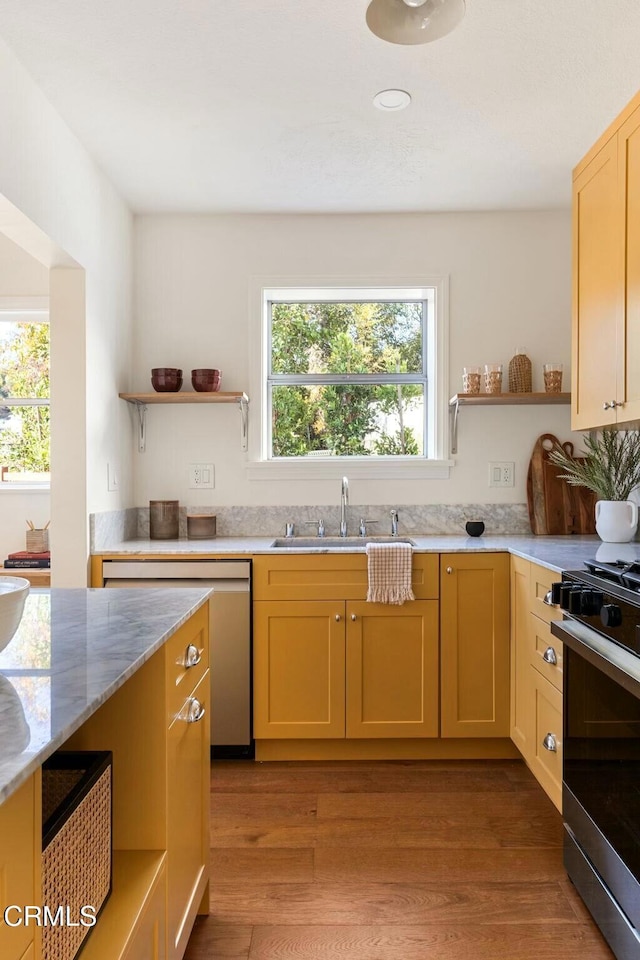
616, 520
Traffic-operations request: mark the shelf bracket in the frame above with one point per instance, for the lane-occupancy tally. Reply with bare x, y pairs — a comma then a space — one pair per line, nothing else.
141, 410
244, 422
454, 409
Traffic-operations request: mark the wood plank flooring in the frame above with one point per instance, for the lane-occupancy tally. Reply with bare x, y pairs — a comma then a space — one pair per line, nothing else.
402, 860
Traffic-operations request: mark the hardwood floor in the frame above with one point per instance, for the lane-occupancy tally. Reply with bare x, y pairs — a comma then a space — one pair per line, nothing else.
404, 860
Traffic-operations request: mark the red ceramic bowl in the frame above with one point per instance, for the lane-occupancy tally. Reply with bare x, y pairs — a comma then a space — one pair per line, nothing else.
166, 379
206, 380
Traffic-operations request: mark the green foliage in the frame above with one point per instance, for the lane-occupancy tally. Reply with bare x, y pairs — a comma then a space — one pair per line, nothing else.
324, 339
611, 468
24, 372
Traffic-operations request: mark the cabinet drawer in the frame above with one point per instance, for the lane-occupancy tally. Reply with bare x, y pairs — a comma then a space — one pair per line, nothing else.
546, 761
543, 649
332, 577
181, 678
540, 585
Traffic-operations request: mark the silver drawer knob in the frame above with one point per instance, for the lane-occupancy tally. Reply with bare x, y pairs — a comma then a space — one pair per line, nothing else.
606, 406
550, 656
353, 616
193, 710
338, 618
449, 569
550, 743
192, 656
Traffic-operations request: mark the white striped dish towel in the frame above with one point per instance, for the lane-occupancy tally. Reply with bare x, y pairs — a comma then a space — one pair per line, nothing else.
389, 568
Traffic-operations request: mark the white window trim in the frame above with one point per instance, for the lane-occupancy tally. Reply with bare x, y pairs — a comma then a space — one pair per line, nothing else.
35, 310
392, 468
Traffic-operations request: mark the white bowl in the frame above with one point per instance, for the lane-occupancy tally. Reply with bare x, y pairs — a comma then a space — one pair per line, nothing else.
13, 593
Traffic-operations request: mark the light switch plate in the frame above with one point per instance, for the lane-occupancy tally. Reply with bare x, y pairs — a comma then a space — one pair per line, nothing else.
501, 473
201, 476
112, 478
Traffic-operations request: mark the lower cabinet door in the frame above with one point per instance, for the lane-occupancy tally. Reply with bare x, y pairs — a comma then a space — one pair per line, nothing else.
298, 678
474, 644
188, 785
392, 669
17, 867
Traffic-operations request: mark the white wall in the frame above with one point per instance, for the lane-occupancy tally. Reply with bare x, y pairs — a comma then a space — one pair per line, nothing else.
20, 276
509, 286
57, 204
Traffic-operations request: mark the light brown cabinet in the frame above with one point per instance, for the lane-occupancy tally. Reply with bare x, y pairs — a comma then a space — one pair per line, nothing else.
335, 669
159, 736
536, 675
19, 869
606, 278
474, 645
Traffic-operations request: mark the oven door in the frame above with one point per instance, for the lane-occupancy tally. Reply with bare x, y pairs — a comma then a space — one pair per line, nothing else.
601, 780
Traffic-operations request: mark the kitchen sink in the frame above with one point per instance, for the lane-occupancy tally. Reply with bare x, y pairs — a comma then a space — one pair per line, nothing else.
333, 543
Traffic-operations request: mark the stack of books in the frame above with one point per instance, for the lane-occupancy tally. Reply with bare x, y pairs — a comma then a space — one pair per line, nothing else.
26, 559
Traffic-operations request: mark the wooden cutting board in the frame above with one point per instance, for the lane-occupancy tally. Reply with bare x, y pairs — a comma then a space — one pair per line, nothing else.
555, 507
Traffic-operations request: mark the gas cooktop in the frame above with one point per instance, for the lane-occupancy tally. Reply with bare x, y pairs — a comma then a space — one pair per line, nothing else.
626, 573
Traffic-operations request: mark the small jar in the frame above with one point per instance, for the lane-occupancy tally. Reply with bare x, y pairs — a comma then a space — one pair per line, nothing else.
471, 379
163, 519
493, 378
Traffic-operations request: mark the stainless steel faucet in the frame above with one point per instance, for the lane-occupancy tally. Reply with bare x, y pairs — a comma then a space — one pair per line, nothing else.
394, 523
344, 500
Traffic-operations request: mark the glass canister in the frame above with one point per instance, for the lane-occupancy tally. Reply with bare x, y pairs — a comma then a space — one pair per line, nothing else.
520, 380
164, 519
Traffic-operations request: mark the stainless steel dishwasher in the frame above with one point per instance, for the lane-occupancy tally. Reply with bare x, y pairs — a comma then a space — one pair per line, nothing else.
230, 635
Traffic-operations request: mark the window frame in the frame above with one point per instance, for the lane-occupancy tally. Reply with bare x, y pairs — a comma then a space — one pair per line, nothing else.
434, 462
31, 311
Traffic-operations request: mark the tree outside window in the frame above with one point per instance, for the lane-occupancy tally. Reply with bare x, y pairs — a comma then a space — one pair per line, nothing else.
24, 401
347, 377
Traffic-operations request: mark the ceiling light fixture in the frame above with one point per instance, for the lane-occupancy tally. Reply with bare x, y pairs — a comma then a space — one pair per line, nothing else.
392, 100
414, 21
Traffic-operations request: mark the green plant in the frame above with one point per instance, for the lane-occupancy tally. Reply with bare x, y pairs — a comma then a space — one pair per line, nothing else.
611, 467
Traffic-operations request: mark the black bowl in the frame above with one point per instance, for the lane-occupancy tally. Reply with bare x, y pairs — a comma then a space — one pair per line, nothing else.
475, 528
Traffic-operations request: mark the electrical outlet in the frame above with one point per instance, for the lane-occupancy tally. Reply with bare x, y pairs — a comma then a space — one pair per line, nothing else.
501, 474
201, 476
113, 482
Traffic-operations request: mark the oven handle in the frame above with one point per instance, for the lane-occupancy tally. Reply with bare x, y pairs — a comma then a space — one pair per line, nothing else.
620, 665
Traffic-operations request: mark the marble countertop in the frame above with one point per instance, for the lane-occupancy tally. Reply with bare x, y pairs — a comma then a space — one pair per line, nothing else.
72, 651
556, 553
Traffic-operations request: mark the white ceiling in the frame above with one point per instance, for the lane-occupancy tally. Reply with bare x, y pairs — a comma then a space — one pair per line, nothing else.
265, 105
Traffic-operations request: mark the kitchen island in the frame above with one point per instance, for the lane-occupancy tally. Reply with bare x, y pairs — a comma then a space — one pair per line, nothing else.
125, 671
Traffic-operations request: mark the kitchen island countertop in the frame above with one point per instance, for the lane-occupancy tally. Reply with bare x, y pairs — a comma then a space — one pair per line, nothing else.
73, 649
556, 553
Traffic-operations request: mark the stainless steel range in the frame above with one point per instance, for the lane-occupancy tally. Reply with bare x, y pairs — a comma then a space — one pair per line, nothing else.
601, 750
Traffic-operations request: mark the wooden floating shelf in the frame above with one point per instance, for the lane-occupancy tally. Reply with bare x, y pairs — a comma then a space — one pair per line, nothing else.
496, 399
140, 401
188, 396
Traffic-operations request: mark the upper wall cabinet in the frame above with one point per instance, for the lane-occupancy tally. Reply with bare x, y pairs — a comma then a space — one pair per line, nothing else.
606, 278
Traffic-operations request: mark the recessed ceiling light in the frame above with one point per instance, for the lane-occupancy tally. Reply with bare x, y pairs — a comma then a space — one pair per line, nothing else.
392, 100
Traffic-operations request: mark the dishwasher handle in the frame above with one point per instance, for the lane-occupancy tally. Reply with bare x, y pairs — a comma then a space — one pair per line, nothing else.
176, 569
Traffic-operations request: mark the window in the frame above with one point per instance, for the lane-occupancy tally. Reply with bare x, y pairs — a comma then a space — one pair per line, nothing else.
24, 397
351, 373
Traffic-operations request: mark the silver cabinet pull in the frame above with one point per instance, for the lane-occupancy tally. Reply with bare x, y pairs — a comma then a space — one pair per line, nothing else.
606, 406
338, 618
548, 599
193, 710
550, 743
550, 656
449, 569
353, 616
192, 656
